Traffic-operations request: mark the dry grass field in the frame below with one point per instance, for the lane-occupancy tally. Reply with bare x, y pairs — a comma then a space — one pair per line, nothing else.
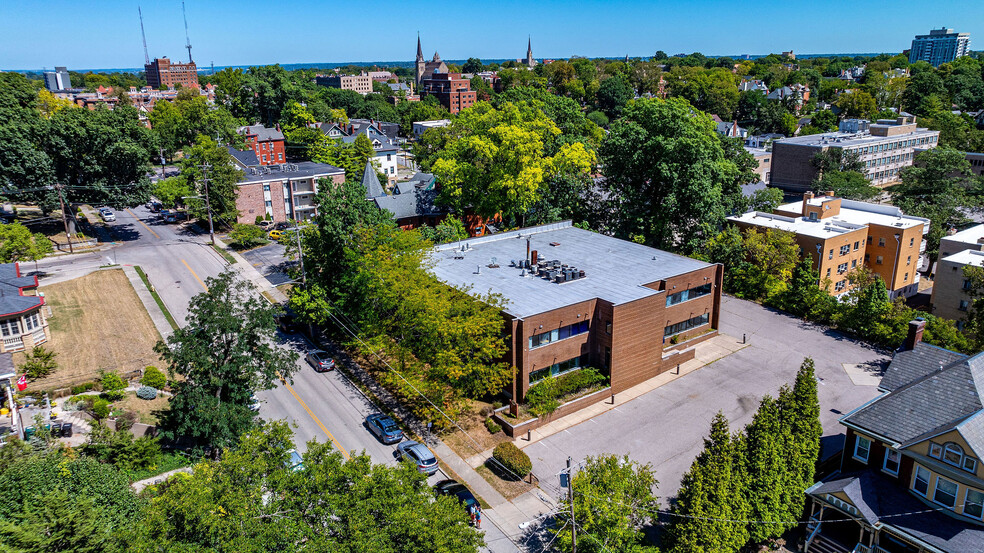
97, 323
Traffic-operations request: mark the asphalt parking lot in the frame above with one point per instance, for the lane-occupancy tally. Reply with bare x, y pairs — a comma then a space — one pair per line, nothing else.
666, 427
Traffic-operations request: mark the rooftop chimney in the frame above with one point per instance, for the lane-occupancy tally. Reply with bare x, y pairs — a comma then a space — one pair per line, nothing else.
915, 334
533, 257
807, 196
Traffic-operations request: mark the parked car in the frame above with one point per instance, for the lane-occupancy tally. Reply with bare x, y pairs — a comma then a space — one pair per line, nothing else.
154, 207
458, 490
283, 225
384, 428
288, 323
276, 234
295, 462
320, 360
418, 454
265, 225
169, 216
107, 214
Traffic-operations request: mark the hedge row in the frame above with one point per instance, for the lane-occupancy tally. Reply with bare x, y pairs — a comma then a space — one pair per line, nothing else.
543, 397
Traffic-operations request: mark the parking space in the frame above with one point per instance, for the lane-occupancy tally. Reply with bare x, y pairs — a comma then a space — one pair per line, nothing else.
666, 427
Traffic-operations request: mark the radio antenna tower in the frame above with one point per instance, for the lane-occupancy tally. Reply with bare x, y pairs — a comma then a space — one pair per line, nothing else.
187, 40
144, 35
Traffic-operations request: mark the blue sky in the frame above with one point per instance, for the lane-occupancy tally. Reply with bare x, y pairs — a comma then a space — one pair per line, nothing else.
106, 34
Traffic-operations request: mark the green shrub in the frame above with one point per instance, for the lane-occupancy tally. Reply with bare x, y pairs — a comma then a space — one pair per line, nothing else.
146, 392
153, 377
39, 363
113, 386
258, 220
100, 408
84, 387
513, 459
543, 397
492, 426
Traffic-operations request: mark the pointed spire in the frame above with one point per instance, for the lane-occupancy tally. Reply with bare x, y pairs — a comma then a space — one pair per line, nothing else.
529, 46
420, 53
371, 182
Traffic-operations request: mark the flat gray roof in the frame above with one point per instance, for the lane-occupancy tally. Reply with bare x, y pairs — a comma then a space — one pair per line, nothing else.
615, 270
849, 139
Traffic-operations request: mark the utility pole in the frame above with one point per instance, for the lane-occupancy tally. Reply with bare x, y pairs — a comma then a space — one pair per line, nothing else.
570, 499
61, 199
208, 205
300, 253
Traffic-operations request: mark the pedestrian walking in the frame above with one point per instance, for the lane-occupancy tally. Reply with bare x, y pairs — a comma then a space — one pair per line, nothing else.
471, 513
478, 517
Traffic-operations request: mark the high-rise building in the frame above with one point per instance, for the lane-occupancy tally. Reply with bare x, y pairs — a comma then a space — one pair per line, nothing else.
939, 46
57, 79
162, 72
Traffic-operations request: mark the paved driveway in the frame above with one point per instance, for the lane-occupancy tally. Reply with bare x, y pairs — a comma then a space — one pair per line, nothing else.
666, 426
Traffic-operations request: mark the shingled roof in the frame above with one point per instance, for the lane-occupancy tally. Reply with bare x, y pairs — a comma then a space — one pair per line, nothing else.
11, 284
371, 182
943, 394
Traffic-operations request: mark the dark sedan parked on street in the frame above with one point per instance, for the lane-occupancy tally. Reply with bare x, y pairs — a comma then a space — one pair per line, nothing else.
384, 428
458, 490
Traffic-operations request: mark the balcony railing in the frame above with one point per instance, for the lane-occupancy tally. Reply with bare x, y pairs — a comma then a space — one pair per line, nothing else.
13, 343
39, 336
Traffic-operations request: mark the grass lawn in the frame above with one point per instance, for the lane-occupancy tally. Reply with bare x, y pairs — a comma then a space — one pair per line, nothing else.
97, 322
472, 421
144, 408
510, 489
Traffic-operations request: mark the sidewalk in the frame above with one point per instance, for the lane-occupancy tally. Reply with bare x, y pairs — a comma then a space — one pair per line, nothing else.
706, 353
156, 315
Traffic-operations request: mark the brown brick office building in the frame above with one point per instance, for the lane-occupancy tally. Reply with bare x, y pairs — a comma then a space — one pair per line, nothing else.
588, 300
164, 72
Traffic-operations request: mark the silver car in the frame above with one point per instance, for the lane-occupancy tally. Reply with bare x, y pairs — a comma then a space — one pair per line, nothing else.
418, 454
107, 215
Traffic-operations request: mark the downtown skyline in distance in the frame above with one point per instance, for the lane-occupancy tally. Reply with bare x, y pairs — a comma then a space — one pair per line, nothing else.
106, 35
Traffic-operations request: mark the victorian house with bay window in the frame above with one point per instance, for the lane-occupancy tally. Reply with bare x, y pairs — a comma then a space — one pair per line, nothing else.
23, 324
911, 479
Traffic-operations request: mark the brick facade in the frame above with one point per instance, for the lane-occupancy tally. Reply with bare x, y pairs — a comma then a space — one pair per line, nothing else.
162, 72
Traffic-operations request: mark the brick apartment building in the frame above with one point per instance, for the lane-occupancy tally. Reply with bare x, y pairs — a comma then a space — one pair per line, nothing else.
841, 235
162, 72
576, 298
361, 83
267, 143
885, 148
284, 191
452, 91
951, 291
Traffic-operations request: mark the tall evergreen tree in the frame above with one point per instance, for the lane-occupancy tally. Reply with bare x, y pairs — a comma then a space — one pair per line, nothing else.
767, 472
804, 424
711, 496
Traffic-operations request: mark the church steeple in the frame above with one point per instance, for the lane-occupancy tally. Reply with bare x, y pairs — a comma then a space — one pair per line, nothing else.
529, 52
420, 52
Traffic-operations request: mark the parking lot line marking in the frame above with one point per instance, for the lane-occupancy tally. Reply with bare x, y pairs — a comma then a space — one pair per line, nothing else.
317, 420
192, 271
150, 230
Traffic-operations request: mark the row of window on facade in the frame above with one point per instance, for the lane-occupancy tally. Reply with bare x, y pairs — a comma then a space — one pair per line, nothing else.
12, 327
945, 490
559, 368
865, 150
544, 338
684, 326
888, 160
685, 295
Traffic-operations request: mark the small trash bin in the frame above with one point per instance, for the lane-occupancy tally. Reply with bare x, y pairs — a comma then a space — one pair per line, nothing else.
66, 430
56, 429
28, 432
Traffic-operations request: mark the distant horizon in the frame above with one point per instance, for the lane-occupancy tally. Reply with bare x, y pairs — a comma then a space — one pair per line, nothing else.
108, 36
404, 63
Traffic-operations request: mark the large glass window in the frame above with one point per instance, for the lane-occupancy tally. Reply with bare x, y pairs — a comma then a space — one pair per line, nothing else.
921, 481
690, 294
558, 368
10, 327
685, 325
974, 504
946, 492
544, 338
862, 448
953, 454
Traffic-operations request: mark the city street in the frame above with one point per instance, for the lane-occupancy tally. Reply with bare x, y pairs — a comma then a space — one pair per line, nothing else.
325, 407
